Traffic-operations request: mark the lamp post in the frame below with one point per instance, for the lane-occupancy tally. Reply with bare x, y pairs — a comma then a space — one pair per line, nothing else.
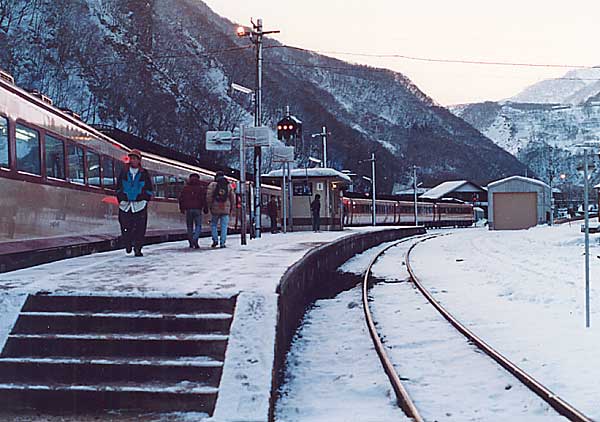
323, 135
244, 210
586, 217
372, 180
415, 195
256, 34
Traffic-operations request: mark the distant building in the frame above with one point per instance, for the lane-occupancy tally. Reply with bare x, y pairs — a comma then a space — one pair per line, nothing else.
462, 190
308, 182
517, 203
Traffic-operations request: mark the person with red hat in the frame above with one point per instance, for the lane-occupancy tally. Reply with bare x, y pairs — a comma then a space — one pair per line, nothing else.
134, 190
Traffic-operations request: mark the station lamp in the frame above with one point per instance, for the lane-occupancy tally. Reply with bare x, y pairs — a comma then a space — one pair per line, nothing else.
243, 31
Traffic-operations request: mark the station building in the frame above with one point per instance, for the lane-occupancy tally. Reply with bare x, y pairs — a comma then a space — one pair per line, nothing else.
463, 190
329, 183
517, 203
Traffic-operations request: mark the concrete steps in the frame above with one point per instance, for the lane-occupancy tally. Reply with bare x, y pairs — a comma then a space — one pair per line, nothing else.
90, 353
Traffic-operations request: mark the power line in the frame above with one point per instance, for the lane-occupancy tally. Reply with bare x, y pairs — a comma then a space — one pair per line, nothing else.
436, 60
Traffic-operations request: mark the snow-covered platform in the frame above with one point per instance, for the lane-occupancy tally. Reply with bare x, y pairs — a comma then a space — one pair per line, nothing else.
523, 293
262, 325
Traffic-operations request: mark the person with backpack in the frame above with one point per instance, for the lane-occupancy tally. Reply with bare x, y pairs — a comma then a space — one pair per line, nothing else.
134, 190
221, 201
315, 210
192, 202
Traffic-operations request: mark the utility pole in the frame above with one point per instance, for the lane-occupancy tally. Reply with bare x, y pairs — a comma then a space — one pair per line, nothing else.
551, 179
243, 186
323, 135
415, 195
373, 185
587, 237
373, 194
256, 34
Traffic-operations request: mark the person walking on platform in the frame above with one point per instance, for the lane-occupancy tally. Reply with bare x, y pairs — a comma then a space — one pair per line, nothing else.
272, 210
315, 210
221, 201
134, 190
192, 202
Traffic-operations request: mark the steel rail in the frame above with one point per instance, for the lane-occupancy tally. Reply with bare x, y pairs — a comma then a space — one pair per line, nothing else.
558, 404
402, 396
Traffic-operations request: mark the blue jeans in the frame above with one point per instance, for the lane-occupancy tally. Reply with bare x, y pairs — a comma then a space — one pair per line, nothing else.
193, 220
213, 227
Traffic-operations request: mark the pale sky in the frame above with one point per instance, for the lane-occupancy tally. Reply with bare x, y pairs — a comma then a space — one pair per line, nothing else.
532, 31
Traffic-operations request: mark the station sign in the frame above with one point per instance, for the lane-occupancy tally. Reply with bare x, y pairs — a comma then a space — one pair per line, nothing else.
282, 154
219, 140
257, 136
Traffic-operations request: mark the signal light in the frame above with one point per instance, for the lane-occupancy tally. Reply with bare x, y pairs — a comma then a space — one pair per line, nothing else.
242, 31
289, 128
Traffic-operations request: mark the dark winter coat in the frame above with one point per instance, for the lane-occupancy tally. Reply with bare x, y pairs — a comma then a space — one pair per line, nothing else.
131, 189
193, 196
315, 207
272, 209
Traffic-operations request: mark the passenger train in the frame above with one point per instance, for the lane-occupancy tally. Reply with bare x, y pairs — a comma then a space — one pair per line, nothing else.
450, 213
58, 174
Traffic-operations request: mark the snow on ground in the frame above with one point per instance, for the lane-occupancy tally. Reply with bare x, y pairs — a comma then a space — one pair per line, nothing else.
448, 378
333, 378
172, 269
336, 378
523, 293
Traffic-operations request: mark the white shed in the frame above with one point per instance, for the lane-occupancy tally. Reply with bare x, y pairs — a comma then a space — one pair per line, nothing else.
517, 203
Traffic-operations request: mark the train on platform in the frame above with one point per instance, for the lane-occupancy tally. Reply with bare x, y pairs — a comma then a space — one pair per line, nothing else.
358, 210
58, 175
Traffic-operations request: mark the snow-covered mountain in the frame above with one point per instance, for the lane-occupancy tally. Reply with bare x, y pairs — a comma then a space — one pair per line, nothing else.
545, 122
574, 87
161, 69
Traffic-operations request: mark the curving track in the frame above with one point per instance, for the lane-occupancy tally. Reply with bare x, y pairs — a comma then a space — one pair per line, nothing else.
404, 399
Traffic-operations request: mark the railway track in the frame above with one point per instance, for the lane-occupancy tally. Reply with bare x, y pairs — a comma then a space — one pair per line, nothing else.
404, 399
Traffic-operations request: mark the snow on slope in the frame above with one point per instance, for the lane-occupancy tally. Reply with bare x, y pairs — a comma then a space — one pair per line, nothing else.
574, 87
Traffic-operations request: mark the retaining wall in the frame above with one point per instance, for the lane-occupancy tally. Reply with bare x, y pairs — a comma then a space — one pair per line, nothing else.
309, 280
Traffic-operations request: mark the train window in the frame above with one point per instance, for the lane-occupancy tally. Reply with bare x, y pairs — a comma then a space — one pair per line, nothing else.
175, 187
160, 186
28, 150
75, 160
55, 157
108, 173
4, 143
119, 167
93, 168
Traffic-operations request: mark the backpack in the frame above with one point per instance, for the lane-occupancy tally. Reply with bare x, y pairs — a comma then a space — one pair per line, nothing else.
221, 192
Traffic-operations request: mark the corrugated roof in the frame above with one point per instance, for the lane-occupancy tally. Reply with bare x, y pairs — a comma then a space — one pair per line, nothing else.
443, 189
521, 178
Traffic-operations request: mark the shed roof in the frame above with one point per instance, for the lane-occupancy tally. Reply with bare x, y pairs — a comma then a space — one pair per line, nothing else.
445, 188
312, 172
518, 178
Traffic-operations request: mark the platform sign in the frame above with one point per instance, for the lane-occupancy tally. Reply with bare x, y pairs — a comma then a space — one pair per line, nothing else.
257, 136
283, 154
219, 140
302, 188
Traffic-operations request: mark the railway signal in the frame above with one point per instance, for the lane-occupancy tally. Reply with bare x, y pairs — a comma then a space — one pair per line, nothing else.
289, 129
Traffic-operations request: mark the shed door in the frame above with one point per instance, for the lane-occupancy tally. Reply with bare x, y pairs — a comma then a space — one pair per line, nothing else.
515, 210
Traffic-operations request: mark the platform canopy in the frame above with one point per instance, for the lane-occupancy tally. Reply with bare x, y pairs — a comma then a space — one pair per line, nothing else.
320, 172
